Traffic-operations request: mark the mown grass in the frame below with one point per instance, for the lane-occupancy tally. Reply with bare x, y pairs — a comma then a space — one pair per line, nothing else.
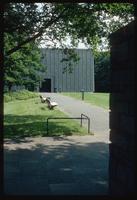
24, 118
19, 95
98, 99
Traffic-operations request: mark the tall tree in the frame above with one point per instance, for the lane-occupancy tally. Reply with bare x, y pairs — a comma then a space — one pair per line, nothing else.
26, 24
22, 68
54, 21
102, 71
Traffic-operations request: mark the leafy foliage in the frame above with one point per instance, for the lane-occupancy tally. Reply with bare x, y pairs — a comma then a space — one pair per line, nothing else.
22, 67
54, 21
27, 24
70, 58
102, 72
20, 95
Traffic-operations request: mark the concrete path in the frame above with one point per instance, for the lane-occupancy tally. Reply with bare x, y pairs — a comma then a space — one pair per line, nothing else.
99, 117
68, 165
71, 165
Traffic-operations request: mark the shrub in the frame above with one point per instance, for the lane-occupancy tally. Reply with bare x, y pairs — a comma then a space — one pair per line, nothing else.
8, 98
20, 95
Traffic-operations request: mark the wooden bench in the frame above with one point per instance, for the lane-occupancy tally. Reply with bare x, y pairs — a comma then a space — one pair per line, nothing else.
43, 99
51, 104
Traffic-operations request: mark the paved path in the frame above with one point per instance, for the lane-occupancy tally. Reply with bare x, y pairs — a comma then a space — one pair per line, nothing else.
71, 165
99, 117
67, 165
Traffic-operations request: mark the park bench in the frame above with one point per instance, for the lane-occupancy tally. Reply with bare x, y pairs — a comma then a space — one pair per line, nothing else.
43, 99
51, 104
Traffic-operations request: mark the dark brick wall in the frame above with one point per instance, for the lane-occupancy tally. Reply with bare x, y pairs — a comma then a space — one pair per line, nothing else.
122, 105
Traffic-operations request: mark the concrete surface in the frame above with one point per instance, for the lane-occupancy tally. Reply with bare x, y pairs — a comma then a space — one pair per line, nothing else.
67, 165
71, 165
99, 117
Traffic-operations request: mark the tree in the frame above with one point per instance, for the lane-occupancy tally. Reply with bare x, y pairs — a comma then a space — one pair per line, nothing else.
102, 72
54, 21
26, 24
23, 67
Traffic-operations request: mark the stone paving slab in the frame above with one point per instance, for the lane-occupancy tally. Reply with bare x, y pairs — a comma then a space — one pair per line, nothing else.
69, 165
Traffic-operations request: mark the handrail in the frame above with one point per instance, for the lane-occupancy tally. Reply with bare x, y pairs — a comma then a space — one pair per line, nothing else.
86, 117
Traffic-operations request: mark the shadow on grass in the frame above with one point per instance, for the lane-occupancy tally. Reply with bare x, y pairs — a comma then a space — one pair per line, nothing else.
30, 125
45, 168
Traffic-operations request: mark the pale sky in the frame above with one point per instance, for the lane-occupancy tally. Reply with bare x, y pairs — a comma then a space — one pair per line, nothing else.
81, 45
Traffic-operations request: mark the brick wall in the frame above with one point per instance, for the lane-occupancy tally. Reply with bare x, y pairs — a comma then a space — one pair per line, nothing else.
122, 105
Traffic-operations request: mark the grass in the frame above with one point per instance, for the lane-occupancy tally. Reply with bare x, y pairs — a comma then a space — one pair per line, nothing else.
98, 99
19, 95
24, 118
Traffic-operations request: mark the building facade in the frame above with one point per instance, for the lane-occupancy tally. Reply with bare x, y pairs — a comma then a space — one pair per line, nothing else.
81, 78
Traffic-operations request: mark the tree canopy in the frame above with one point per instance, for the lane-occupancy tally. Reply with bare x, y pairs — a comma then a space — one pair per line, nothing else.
55, 21
23, 68
102, 71
27, 24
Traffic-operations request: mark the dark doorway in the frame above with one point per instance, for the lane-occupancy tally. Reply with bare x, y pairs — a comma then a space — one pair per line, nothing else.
46, 85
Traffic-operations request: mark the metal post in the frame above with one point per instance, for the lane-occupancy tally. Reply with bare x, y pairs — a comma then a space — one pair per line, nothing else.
82, 95
88, 125
81, 120
88, 121
47, 127
82, 92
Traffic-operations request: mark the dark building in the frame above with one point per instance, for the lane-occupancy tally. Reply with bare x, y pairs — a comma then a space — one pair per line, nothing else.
54, 80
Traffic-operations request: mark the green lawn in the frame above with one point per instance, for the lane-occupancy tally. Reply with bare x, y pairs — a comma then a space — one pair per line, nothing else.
98, 99
28, 118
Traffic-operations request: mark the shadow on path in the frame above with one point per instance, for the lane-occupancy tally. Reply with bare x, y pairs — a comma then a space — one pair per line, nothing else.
56, 166
30, 125
73, 107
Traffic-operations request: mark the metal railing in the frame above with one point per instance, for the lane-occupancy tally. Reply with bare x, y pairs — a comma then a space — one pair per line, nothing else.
81, 118
86, 117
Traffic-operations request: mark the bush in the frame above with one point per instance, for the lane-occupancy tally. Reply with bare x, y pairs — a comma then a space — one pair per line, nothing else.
20, 95
102, 72
8, 98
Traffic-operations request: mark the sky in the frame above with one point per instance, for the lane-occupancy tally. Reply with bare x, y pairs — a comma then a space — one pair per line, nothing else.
81, 45
44, 44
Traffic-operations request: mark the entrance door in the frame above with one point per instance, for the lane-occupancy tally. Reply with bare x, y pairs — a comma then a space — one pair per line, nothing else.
46, 85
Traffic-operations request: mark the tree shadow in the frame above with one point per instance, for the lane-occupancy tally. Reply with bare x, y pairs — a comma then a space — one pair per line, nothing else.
56, 168
16, 126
